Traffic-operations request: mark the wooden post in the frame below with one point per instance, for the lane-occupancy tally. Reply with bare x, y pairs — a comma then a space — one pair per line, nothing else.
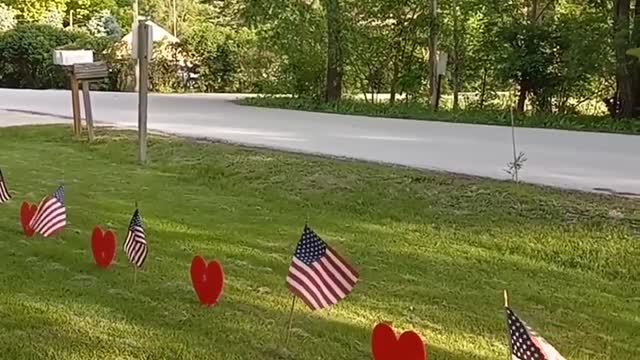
87, 108
506, 305
143, 83
290, 322
75, 103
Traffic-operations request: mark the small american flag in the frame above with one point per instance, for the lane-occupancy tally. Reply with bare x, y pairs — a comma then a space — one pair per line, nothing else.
51, 215
4, 193
526, 344
135, 245
318, 274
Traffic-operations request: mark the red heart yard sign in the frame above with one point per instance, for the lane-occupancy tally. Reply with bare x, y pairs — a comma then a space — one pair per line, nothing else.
27, 212
386, 346
207, 280
103, 246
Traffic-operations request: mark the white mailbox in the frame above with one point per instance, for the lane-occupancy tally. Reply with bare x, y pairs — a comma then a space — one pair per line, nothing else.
71, 57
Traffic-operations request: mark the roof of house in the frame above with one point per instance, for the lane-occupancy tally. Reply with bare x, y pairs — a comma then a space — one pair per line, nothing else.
159, 34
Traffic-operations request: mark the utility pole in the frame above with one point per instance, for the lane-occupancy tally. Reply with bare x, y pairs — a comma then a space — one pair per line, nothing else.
175, 18
134, 27
433, 54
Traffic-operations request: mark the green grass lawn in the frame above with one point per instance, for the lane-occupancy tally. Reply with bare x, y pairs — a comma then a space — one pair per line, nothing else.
434, 252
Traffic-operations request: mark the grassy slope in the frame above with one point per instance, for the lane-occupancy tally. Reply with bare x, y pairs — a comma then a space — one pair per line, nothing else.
434, 252
420, 112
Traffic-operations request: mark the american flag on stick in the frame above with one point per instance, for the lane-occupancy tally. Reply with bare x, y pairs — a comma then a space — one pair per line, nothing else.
4, 193
51, 215
525, 344
135, 245
318, 274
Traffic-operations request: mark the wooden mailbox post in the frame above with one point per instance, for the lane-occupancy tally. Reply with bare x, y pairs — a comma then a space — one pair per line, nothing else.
81, 76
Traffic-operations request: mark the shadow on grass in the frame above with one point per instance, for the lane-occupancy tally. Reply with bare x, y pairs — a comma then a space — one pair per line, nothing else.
40, 328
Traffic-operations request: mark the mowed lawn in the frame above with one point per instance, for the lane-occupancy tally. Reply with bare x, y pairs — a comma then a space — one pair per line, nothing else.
434, 253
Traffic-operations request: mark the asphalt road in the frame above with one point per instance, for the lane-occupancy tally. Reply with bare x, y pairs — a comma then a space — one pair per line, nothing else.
576, 160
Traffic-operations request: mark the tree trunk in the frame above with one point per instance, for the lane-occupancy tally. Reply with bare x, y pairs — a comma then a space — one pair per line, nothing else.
333, 91
635, 70
433, 54
483, 88
394, 82
456, 58
533, 11
522, 99
623, 62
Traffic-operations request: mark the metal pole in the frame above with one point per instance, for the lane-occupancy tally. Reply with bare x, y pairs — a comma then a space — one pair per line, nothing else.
143, 60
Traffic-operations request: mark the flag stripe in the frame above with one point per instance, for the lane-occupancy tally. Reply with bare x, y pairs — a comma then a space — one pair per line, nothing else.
299, 292
4, 192
51, 214
341, 282
327, 296
331, 277
294, 283
328, 281
347, 270
306, 285
306, 278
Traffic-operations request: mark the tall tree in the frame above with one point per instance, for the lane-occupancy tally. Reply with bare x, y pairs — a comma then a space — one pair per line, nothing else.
622, 34
433, 54
456, 55
333, 91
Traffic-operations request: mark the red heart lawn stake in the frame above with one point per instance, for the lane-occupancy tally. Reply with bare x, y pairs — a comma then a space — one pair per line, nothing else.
27, 212
385, 345
207, 279
103, 246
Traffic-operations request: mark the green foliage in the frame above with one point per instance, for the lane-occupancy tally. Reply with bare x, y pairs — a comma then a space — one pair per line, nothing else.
420, 111
38, 10
188, 14
7, 18
52, 17
85, 10
26, 58
531, 58
218, 54
295, 33
104, 24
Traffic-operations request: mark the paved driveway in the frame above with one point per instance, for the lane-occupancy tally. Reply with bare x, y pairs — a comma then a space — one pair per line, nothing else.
577, 160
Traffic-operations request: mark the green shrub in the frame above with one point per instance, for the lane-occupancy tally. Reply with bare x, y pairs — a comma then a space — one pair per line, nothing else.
26, 56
